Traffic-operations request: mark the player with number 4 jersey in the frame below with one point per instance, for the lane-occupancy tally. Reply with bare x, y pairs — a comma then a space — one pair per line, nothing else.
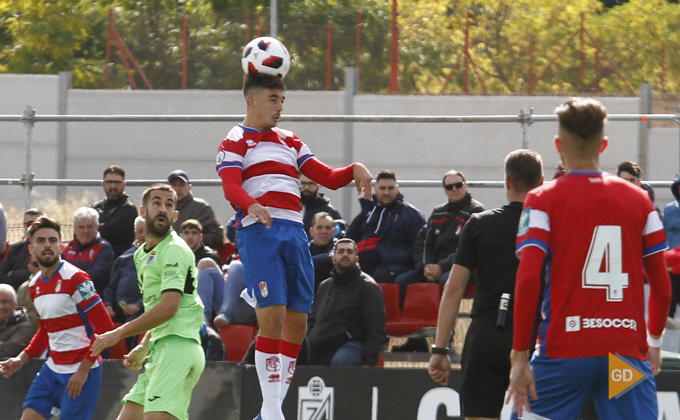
596, 237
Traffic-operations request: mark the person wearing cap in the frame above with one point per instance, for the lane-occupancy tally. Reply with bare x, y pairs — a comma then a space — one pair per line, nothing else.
190, 207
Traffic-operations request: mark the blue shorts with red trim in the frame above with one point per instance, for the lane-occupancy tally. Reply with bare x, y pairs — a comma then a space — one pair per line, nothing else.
277, 265
48, 391
563, 385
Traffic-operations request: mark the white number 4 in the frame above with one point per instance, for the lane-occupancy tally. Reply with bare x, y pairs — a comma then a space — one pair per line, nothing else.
604, 265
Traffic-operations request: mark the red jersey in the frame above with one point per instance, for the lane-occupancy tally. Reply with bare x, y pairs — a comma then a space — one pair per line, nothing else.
595, 229
62, 303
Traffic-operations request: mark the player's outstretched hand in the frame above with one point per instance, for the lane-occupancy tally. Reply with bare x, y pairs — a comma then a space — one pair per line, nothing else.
439, 368
654, 355
522, 383
75, 384
104, 341
9, 366
260, 214
135, 359
363, 180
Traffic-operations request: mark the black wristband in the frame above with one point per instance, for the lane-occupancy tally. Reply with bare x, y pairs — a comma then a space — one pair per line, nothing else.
440, 350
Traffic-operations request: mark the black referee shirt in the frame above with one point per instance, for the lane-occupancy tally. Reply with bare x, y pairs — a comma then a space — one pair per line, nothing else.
487, 243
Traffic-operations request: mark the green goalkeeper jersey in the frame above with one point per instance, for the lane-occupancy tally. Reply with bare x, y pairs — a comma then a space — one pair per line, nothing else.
170, 265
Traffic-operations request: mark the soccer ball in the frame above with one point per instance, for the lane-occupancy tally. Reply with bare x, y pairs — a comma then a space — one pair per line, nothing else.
266, 55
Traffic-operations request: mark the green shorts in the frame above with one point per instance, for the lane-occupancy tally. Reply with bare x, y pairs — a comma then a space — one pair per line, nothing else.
172, 371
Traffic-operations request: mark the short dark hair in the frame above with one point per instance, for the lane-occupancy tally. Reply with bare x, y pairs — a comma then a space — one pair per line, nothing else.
386, 174
322, 214
455, 173
115, 169
253, 81
156, 187
630, 167
34, 212
583, 117
525, 169
345, 241
44, 222
191, 224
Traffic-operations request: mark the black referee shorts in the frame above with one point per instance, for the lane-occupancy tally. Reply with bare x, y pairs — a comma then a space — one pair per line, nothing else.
485, 366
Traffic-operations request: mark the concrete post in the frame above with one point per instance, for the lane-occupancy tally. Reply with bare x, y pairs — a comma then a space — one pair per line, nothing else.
65, 84
351, 84
644, 126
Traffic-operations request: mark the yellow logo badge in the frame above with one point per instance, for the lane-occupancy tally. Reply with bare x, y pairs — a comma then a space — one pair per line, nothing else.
622, 376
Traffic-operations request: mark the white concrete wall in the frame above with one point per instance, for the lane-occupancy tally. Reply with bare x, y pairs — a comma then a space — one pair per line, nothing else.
413, 151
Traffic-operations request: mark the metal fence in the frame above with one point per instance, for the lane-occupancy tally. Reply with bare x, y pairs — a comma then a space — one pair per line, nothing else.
525, 118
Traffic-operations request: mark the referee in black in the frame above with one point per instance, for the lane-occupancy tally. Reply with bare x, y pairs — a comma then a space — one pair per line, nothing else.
487, 244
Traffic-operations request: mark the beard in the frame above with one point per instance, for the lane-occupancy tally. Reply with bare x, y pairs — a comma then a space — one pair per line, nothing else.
46, 263
159, 231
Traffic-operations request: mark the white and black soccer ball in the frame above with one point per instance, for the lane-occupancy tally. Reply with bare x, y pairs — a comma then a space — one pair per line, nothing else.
266, 55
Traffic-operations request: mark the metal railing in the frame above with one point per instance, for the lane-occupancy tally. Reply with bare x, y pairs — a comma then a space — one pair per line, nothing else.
525, 117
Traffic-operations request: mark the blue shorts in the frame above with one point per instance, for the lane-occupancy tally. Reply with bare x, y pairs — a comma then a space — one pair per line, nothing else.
48, 391
277, 265
563, 385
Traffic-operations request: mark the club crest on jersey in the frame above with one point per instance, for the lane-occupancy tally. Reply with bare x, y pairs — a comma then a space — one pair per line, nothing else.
151, 257
273, 364
458, 229
524, 222
264, 291
58, 288
86, 289
220, 156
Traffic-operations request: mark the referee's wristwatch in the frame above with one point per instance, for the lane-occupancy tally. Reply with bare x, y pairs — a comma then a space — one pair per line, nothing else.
440, 350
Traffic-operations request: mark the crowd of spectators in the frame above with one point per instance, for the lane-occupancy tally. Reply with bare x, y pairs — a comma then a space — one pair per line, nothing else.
389, 241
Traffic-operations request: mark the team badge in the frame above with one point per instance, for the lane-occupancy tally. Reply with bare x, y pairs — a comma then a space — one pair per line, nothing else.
86, 289
524, 222
458, 229
58, 288
264, 291
291, 367
151, 257
273, 364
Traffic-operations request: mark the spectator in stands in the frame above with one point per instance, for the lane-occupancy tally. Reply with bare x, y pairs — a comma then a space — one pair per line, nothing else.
192, 233
631, 172
487, 244
88, 250
24, 295
116, 212
189, 207
15, 329
321, 246
433, 262
671, 227
3, 232
347, 323
313, 202
14, 268
234, 310
122, 296
385, 230
210, 277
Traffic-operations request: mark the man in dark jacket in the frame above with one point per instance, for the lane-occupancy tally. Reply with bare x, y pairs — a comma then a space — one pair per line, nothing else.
321, 246
313, 202
347, 323
117, 213
15, 329
433, 262
385, 230
14, 268
189, 207
122, 297
89, 251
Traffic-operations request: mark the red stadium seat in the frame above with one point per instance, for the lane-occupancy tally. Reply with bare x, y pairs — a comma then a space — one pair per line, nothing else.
421, 309
236, 339
392, 304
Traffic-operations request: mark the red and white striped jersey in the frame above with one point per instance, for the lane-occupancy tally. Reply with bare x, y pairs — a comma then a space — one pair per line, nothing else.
270, 171
62, 302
